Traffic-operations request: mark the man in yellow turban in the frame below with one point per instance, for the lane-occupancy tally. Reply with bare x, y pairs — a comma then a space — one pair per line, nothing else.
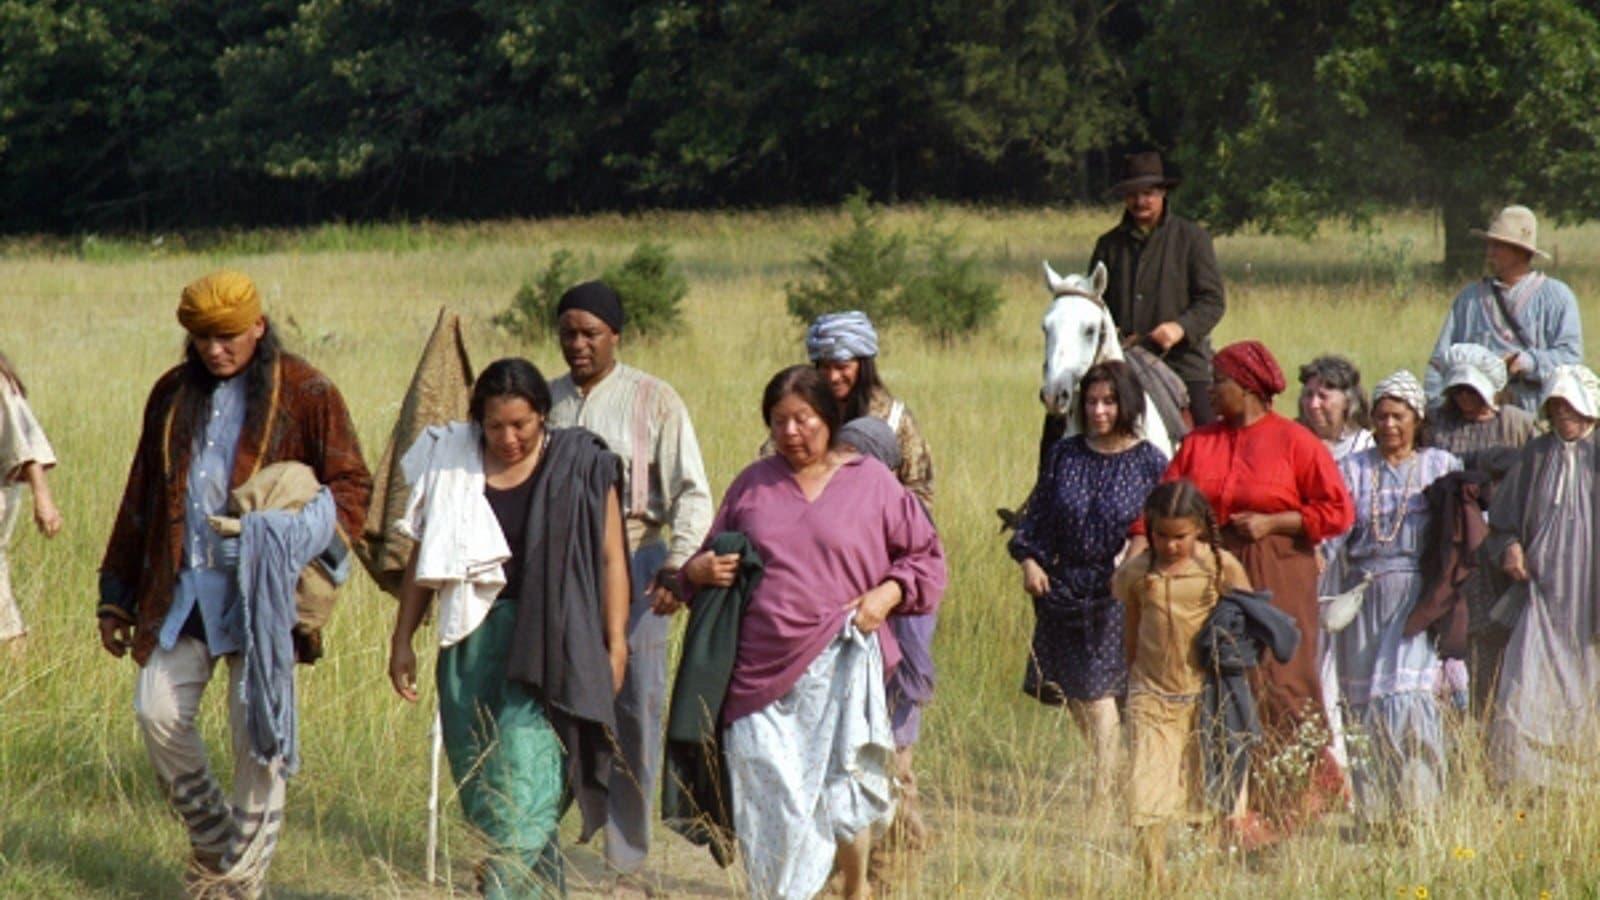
168, 590
222, 313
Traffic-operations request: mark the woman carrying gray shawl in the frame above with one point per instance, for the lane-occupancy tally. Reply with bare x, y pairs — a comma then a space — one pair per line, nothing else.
518, 531
1542, 535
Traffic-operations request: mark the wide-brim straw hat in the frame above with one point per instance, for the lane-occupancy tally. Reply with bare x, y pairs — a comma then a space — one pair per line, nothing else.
1514, 225
1143, 170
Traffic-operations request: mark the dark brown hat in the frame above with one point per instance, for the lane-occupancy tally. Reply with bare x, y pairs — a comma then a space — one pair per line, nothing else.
1142, 170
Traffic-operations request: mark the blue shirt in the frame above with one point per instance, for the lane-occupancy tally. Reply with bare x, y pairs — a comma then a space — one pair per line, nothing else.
1548, 313
203, 581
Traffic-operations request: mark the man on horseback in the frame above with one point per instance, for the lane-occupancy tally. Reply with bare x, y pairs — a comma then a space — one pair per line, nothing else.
1165, 292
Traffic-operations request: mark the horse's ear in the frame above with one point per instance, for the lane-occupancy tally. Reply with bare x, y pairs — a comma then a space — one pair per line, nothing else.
1053, 282
1099, 279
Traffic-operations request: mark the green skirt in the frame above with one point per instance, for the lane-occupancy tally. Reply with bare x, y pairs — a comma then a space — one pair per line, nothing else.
506, 759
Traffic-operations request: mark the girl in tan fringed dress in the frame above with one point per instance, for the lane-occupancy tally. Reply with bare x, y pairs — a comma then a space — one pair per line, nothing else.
25, 455
1169, 591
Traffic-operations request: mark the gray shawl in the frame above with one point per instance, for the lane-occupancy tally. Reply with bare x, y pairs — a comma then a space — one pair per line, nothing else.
558, 648
1243, 625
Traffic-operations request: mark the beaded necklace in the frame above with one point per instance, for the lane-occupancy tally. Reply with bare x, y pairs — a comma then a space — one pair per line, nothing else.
1405, 500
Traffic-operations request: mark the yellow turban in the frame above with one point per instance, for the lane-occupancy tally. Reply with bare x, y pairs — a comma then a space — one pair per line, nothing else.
224, 302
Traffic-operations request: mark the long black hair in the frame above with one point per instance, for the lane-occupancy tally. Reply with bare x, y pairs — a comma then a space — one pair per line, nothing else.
860, 397
512, 376
196, 384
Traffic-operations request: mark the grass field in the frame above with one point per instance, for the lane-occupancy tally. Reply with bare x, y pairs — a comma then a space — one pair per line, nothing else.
90, 325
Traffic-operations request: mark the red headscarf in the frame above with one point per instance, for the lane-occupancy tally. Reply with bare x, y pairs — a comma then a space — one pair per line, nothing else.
1251, 365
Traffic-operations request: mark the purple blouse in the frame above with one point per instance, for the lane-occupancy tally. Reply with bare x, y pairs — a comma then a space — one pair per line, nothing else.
864, 529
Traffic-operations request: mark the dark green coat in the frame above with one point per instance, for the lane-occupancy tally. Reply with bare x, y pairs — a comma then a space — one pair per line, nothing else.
695, 792
1170, 276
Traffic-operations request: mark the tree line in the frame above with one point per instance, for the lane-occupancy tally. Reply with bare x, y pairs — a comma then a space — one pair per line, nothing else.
1281, 113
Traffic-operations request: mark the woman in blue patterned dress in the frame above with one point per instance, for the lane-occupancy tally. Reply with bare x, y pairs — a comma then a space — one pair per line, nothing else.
1091, 489
1386, 678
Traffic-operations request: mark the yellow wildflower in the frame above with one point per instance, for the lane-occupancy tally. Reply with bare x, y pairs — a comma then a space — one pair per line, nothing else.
1421, 893
1465, 854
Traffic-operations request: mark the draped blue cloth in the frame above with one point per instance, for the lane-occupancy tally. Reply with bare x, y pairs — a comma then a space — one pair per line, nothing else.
274, 546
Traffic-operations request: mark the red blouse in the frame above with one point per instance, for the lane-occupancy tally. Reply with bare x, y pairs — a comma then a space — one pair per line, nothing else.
1274, 465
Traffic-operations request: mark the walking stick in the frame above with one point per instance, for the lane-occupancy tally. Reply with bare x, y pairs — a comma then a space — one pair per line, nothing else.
436, 733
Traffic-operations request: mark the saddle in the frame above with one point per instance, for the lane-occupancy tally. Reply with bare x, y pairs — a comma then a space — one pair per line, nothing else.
1166, 390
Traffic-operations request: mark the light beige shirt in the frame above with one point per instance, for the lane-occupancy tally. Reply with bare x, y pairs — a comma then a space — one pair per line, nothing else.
22, 440
643, 421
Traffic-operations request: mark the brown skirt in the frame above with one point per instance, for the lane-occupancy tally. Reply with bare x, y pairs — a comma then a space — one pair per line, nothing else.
1293, 776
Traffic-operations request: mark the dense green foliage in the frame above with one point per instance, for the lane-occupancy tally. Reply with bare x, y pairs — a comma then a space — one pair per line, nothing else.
173, 112
177, 113
1288, 112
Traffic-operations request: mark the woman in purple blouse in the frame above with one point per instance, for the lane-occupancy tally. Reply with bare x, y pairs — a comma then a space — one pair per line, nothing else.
807, 737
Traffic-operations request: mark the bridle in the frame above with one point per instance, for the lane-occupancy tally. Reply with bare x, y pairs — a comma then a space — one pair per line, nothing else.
1100, 344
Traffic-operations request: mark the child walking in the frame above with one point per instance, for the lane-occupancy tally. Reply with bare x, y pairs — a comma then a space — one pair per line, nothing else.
1169, 591
25, 454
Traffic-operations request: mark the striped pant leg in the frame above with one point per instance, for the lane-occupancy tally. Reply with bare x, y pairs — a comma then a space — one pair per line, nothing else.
166, 700
258, 795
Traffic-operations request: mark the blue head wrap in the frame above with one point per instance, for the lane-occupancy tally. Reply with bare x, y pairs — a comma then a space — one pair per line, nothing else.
841, 336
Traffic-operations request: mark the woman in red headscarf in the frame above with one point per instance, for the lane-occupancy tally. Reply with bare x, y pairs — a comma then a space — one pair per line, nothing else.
1277, 492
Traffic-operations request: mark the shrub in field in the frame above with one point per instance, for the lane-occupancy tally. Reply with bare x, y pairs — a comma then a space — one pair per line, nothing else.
652, 289
949, 298
861, 269
532, 314
650, 284
934, 289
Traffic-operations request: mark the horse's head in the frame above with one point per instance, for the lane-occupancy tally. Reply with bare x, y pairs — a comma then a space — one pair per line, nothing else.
1078, 332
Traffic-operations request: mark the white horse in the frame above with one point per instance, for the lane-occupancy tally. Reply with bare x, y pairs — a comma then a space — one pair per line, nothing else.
1079, 333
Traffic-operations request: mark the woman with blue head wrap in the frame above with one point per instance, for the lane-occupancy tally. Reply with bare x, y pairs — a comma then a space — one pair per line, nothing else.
844, 346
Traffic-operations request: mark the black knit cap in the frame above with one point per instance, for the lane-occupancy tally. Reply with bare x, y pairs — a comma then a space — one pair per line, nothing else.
596, 299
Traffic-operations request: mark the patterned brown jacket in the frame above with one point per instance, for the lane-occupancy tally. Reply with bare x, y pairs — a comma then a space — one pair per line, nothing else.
306, 421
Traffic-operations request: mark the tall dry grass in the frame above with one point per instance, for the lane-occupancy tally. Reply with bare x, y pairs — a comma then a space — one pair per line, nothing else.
91, 326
